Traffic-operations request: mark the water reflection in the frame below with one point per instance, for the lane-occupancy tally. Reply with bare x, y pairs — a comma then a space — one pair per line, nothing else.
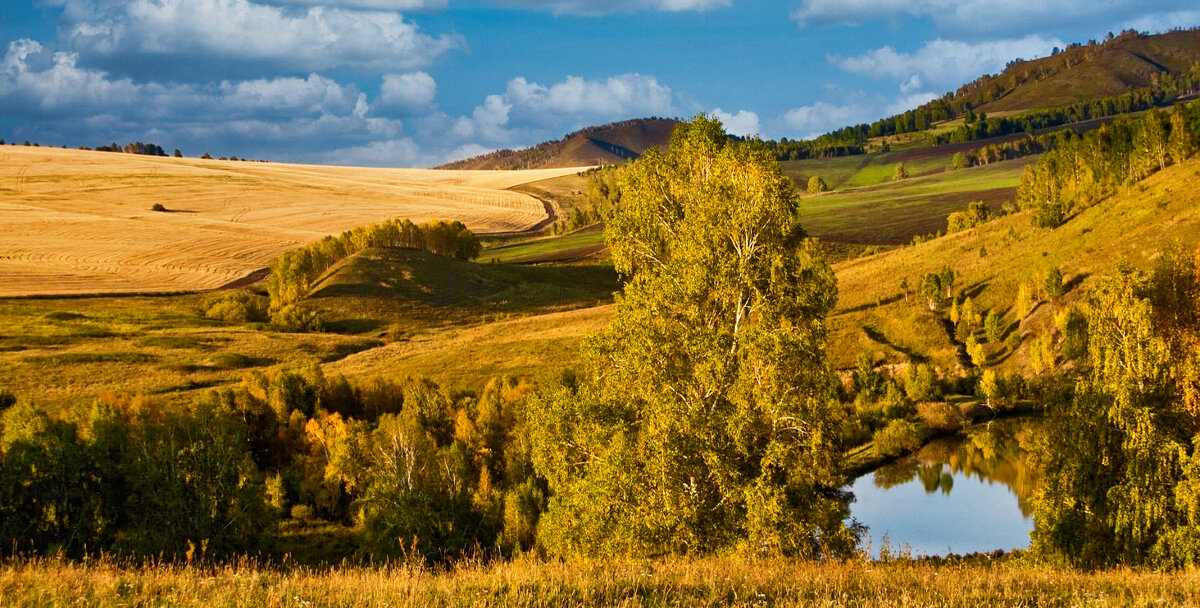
960, 495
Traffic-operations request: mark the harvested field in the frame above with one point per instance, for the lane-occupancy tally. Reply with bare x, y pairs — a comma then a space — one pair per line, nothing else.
79, 222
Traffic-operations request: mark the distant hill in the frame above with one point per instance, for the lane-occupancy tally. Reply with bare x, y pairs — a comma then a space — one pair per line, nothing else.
597, 145
1086, 72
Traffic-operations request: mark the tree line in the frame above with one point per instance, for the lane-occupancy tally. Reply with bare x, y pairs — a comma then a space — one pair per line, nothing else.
1079, 172
413, 469
295, 272
983, 127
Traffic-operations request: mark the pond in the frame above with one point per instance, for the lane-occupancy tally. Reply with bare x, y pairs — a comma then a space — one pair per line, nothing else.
955, 495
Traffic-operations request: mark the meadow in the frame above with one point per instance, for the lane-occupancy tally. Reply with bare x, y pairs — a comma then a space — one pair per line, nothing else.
74, 222
977, 581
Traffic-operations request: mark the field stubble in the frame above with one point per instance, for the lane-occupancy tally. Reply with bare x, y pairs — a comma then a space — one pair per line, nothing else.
75, 222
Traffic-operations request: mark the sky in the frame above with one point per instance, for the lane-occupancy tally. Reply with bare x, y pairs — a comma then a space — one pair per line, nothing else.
422, 82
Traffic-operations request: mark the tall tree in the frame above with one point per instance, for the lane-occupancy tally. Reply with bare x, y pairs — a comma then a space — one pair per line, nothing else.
705, 419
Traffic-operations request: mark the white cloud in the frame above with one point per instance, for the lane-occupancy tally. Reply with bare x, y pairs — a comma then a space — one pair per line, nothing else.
605, 7
822, 117
944, 63
613, 97
389, 153
992, 16
379, 5
1161, 22
77, 105
743, 124
407, 94
316, 39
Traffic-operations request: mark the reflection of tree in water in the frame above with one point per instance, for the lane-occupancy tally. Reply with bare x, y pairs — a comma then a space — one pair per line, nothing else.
996, 452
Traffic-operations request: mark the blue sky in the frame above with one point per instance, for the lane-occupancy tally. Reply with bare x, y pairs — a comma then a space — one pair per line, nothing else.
419, 82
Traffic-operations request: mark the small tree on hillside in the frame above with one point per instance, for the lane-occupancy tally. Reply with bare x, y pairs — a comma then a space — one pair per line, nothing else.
900, 173
817, 185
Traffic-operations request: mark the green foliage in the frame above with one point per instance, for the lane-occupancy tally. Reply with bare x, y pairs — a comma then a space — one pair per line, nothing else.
921, 383
993, 327
297, 318
237, 307
705, 420
959, 161
1079, 172
898, 437
976, 213
1053, 285
1120, 484
295, 272
817, 185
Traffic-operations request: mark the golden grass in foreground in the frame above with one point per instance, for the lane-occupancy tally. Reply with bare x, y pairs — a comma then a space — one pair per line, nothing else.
81, 222
713, 582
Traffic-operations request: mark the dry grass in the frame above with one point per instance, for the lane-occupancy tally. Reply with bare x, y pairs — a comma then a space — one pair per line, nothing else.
680, 582
1131, 227
465, 358
81, 222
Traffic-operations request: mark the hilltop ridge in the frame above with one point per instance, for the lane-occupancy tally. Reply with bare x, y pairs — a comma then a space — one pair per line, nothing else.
596, 145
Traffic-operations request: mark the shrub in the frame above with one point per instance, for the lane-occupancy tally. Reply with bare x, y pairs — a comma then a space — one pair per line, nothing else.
816, 185
237, 307
921, 384
298, 319
941, 417
158, 207
898, 437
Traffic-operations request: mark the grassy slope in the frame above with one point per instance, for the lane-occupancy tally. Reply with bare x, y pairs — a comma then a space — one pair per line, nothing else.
586, 243
891, 213
461, 323
1100, 71
527, 582
59, 352
873, 316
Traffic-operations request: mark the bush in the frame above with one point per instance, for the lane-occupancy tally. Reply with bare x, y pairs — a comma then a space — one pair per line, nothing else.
941, 417
158, 207
921, 384
898, 437
298, 319
237, 307
817, 185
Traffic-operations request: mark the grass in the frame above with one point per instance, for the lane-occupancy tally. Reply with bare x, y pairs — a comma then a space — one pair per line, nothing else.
874, 317
581, 244
405, 291
139, 345
530, 582
467, 357
79, 222
893, 212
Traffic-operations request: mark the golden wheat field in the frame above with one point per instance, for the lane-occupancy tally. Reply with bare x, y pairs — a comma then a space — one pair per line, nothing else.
74, 222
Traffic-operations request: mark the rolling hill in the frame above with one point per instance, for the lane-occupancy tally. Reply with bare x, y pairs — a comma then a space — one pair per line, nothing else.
74, 222
598, 145
1088, 72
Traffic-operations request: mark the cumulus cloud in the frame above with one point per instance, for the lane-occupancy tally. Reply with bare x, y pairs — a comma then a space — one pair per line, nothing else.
380, 5
744, 123
406, 94
240, 31
944, 63
822, 117
989, 16
72, 104
605, 7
